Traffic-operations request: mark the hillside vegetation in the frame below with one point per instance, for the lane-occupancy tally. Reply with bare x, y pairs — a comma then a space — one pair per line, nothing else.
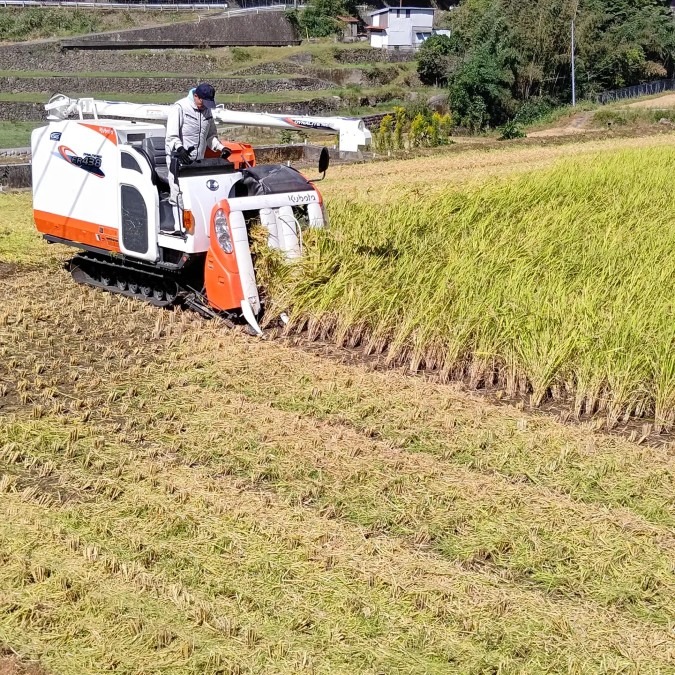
507, 58
18, 24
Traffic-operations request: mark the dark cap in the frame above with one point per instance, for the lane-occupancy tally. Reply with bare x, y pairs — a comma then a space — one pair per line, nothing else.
207, 93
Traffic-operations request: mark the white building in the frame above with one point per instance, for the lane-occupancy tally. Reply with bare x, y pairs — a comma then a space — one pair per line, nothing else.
400, 27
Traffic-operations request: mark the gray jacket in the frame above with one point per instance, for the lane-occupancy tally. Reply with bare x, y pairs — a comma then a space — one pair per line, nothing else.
188, 126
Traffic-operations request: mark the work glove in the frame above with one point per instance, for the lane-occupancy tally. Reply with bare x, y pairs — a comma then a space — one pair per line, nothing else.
225, 153
182, 155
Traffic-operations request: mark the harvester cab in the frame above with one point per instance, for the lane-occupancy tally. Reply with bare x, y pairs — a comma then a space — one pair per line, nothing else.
101, 185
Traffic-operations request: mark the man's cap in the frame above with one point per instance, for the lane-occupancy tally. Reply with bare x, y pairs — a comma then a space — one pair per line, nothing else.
207, 93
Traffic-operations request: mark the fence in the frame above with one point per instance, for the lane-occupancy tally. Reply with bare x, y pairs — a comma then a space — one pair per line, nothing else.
645, 89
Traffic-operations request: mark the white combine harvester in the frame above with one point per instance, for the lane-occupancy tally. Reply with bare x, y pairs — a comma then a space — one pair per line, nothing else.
100, 184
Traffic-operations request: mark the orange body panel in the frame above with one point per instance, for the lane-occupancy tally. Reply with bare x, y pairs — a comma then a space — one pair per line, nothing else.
221, 273
241, 153
108, 132
78, 231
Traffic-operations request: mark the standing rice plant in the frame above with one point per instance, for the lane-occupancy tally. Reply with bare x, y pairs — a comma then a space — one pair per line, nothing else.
556, 283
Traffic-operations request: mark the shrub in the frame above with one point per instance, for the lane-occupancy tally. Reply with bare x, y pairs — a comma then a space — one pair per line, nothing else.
399, 128
534, 110
319, 17
511, 130
240, 54
383, 139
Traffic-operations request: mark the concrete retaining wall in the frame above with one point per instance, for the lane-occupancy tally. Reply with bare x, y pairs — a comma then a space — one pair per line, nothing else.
248, 28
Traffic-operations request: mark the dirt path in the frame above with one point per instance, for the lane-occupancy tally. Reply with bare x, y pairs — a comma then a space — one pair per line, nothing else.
576, 125
665, 101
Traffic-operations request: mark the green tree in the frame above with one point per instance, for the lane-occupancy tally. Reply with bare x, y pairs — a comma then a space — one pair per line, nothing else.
432, 60
319, 18
482, 78
507, 52
624, 42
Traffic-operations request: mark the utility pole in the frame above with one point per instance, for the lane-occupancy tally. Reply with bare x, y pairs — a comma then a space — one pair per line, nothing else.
574, 81
574, 91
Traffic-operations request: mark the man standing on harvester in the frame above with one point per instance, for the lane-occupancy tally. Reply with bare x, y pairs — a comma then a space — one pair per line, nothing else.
190, 130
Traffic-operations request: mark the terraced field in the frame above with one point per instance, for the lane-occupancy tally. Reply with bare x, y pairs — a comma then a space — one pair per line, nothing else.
179, 498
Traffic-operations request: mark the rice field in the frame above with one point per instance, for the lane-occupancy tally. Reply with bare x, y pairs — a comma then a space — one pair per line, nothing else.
179, 498
554, 284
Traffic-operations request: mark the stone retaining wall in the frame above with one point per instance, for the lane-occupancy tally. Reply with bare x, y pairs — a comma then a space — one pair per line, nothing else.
376, 74
341, 76
38, 57
22, 112
35, 112
139, 85
15, 176
371, 56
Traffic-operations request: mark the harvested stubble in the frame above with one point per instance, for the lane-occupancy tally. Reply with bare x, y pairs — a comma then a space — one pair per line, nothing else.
556, 283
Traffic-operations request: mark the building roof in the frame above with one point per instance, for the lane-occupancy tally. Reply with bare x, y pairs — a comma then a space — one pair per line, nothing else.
348, 19
376, 29
391, 9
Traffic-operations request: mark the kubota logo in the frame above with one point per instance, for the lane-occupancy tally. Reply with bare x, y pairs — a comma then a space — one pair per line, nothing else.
302, 198
88, 162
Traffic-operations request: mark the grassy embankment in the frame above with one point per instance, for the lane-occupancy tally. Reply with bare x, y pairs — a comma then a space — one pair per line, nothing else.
175, 498
16, 134
32, 23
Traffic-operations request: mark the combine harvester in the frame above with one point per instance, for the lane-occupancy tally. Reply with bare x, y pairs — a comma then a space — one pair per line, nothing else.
101, 185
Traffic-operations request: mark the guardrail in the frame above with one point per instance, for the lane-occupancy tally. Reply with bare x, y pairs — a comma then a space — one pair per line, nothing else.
280, 7
160, 6
76, 4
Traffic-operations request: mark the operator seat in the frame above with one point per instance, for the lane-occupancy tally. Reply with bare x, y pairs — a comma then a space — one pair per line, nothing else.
153, 147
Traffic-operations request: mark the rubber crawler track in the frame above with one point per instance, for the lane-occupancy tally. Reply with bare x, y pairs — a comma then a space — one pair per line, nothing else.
160, 288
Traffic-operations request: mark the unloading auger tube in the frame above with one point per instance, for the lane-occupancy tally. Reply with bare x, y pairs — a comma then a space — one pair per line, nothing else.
101, 185
352, 132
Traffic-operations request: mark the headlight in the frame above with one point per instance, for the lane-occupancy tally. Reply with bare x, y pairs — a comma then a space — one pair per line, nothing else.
223, 231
